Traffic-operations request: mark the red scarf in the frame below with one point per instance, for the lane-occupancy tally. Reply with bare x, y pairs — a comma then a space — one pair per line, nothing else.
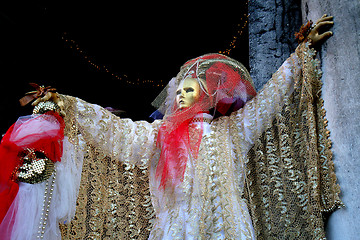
176, 147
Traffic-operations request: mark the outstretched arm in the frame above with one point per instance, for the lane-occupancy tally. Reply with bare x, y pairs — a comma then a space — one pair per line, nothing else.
258, 113
121, 139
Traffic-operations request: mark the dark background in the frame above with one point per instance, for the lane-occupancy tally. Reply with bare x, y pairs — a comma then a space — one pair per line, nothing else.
143, 40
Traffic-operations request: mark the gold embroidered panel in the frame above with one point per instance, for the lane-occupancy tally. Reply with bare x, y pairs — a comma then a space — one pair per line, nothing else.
114, 201
114, 198
291, 181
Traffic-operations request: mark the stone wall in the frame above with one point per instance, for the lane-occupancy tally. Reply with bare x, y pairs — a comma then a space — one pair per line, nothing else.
340, 58
271, 27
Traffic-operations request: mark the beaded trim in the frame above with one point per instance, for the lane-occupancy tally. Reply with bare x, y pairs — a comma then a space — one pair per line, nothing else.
44, 107
46, 205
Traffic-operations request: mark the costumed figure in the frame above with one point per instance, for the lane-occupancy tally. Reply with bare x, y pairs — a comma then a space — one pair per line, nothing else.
225, 162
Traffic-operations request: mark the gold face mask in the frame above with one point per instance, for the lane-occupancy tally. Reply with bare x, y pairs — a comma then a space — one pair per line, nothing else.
187, 93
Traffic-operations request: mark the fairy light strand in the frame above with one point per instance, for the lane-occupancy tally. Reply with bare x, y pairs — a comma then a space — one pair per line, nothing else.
237, 36
72, 44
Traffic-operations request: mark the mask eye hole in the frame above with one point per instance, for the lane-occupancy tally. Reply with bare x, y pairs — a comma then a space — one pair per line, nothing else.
178, 92
189, 90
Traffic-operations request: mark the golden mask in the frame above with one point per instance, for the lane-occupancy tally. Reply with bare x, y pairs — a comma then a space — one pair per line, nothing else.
187, 93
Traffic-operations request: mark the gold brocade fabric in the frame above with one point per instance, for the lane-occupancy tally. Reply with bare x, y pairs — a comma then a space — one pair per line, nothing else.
113, 201
285, 174
290, 174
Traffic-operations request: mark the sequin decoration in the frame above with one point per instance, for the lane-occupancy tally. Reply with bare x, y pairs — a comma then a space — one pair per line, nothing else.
35, 168
44, 107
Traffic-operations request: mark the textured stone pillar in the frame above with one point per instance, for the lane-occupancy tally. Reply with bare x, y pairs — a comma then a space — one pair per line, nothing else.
340, 58
272, 25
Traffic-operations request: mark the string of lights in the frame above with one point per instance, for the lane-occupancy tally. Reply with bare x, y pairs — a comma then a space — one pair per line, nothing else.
72, 44
232, 45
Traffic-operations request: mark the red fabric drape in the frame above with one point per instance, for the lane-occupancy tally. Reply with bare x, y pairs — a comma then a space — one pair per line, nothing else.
42, 133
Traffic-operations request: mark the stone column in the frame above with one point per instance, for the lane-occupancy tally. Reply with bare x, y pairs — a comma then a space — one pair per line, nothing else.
272, 25
340, 58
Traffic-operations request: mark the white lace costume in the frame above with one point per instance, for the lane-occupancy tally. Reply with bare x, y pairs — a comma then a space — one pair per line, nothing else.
209, 202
